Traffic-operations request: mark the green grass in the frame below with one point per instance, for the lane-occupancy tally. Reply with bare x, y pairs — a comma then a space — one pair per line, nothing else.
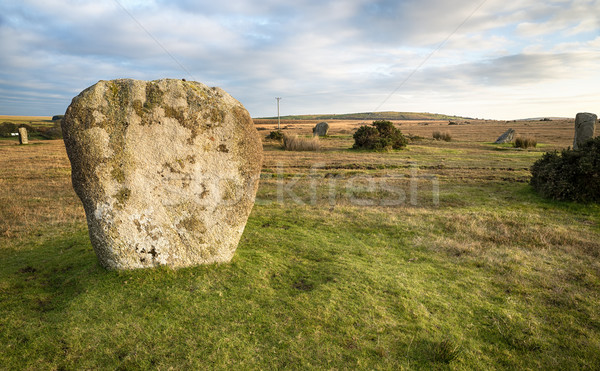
38, 124
313, 288
493, 277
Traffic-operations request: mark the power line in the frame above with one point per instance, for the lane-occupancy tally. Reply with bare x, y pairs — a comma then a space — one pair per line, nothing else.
278, 118
155, 40
417, 68
429, 56
375, 110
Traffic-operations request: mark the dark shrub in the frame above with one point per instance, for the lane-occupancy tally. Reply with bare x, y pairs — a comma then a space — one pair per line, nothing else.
383, 135
572, 175
275, 135
57, 117
8, 127
53, 132
365, 136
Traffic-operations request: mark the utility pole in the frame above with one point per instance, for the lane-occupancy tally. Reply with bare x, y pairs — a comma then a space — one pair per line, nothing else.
278, 119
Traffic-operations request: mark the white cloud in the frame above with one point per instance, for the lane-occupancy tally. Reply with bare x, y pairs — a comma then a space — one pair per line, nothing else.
338, 56
570, 18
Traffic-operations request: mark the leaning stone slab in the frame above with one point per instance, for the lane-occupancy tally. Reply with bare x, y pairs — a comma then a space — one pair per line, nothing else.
167, 171
507, 137
23, 136
585, 126
321, 129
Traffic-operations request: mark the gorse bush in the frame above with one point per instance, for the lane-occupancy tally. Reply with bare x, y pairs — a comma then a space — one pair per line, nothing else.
6, 128
275, 135
53, 132
442, 136
45, 132
525, 142
295, 143
381, 136
571, 175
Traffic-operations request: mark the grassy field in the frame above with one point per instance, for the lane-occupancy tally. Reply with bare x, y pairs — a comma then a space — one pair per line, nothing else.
439, 256
37, 126
30, 120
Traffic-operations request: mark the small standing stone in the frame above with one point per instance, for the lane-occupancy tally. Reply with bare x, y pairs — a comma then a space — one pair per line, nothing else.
507, 137
321, 129
23, 136
585, 125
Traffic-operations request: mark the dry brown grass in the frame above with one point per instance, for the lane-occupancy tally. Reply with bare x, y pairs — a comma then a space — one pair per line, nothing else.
525, 142
35, 184
18, 119
35, 121
445, 136
35, 188
295, 143
521, 272
558, 133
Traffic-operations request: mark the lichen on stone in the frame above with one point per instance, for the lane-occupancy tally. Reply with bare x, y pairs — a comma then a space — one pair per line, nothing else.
122, 196
117, 173
192, 223
158, 166
153, 97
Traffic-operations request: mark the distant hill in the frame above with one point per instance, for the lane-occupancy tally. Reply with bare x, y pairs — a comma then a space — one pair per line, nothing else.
543, 119
372, 116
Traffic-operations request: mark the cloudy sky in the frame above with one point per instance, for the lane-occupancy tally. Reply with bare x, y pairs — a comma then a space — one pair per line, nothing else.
477, 58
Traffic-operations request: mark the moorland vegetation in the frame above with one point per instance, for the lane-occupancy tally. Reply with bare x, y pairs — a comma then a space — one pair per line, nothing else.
437, 256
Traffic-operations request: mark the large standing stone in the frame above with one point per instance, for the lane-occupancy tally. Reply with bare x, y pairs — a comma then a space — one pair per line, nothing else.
507, 137
321, 129
167, 171
23, 136
585, 125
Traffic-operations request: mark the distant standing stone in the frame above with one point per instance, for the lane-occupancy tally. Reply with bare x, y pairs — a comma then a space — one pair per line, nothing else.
167, 171
23, 136
585, 125
321, 129
507, 137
